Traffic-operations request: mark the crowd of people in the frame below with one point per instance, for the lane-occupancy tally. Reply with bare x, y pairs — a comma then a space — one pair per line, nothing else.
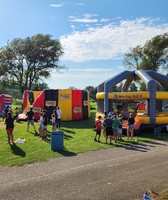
11, 116
112, 127
43, 121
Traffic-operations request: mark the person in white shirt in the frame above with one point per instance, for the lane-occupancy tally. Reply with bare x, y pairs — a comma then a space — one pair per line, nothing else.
59, 113
53, 119
40, 124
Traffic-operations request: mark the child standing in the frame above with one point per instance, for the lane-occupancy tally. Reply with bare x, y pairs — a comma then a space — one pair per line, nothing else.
44, 125
98, 129
40, 124
53, 119
9, 121
115, 128
120, 127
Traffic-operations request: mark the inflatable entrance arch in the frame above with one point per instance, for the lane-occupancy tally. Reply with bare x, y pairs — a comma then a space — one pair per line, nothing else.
154, 96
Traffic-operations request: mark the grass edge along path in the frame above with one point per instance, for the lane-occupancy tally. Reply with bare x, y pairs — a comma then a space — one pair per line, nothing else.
78, 138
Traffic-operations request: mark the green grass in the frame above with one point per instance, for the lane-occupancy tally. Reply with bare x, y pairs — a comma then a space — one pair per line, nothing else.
78, 137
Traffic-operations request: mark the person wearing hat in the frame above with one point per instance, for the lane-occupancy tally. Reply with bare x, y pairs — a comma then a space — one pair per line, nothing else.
9, 121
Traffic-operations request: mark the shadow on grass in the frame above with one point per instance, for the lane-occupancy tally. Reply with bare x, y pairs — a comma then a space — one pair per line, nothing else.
67, 153
140, 143
33, 133
67, 137
85, 123
17, 150
68, 131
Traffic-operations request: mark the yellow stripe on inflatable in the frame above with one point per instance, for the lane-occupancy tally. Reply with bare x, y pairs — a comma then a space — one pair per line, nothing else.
65, 104
162, 120
144, 119
36, 94
162, 95
124, 95
128, 95
100, 95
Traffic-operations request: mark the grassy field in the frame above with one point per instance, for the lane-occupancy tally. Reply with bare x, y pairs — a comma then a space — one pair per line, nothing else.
78, 137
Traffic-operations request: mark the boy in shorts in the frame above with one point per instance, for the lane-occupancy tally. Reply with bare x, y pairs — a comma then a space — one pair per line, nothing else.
98, 129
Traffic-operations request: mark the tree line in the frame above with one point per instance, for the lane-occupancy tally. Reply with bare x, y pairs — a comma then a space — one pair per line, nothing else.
26, 63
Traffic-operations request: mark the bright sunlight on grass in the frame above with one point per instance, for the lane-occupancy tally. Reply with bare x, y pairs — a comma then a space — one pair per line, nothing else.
78, 137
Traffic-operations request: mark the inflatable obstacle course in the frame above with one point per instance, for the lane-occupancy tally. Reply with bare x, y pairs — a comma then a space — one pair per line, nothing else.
5, 100
74, 104
146, 105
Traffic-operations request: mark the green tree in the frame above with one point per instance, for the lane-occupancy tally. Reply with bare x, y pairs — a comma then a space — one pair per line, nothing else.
119, 87
25, 62
142, 86
151, 56
133, 87
92, 91
40, 86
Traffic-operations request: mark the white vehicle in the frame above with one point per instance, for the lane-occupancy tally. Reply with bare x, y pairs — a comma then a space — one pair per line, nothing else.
165, 108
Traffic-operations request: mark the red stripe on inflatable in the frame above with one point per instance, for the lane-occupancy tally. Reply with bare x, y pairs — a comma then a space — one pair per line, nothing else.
38, 105
76, 105
24, 99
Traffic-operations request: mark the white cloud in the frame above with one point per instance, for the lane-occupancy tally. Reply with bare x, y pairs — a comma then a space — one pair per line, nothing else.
87, 18
84, 74
56, 5
110, 41
73, 27
92, 70
104, 20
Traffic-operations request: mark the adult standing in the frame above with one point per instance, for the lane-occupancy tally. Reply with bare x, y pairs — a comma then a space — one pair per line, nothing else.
9, 121
108, 123
59, 113
130, 129
30, 119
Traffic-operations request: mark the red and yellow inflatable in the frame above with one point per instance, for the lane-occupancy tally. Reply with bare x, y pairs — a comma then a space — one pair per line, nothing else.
73, 103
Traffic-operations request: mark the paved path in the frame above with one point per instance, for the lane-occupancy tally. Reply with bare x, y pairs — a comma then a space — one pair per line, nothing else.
122, 173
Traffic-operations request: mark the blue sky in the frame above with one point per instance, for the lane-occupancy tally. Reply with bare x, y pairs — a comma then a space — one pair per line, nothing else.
95, 34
